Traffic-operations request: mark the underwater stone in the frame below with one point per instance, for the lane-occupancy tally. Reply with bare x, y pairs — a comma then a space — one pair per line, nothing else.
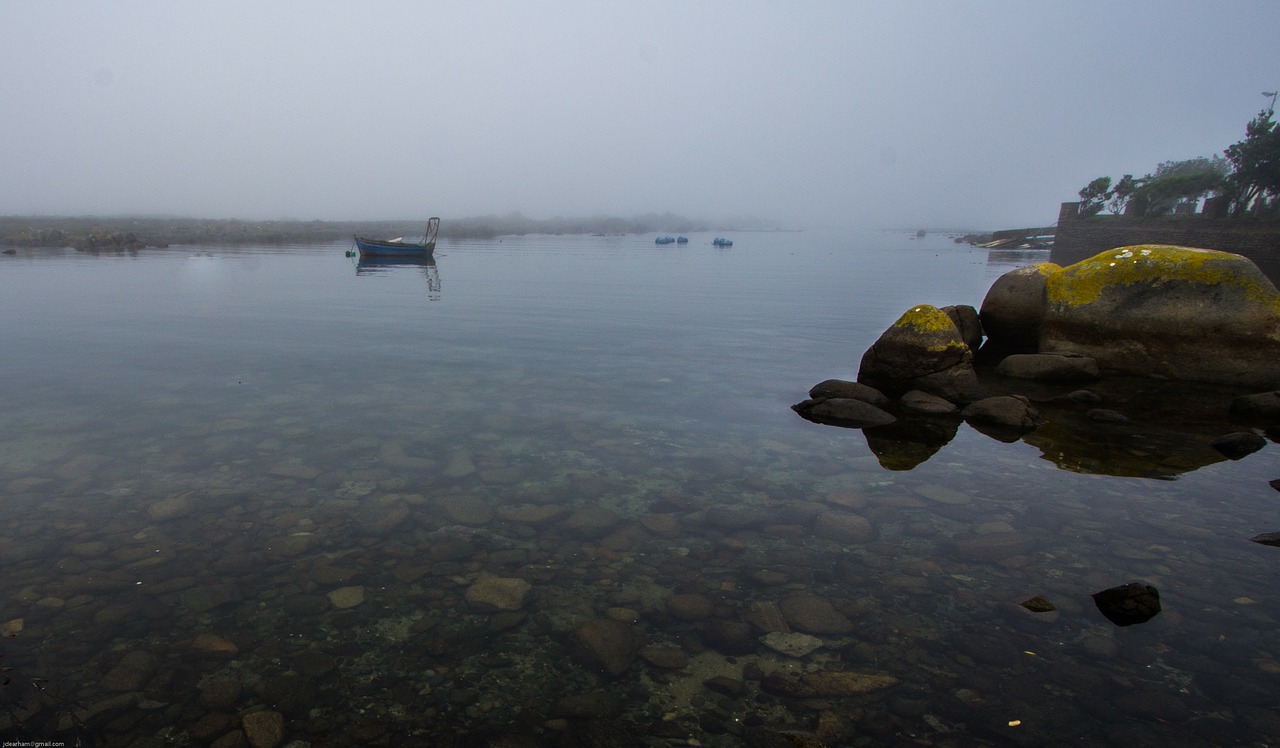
263, 729
1038, 604
828, 684
845, 527
607, 644
665, 656
993, 547
213, 644
172, 508
792, 644
689, 607
814, 615
1128, 604
132, 672
346, 597
498, 593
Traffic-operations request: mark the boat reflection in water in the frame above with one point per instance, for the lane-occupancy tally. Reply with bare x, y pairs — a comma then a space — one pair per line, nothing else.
370, 265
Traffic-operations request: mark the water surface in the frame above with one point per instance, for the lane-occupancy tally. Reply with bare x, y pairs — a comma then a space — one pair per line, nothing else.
274, 480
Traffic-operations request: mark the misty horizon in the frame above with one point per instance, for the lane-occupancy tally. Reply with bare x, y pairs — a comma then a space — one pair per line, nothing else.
817, 115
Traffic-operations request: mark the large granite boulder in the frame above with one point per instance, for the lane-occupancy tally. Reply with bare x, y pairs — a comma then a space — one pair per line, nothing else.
924, 351
1169, 312
1014, 306
968, 322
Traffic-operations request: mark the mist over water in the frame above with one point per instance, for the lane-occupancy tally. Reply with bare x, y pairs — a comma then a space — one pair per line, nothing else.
822, 114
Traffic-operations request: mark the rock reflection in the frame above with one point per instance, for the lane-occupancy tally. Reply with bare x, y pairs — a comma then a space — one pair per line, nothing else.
1144, 429
910, 441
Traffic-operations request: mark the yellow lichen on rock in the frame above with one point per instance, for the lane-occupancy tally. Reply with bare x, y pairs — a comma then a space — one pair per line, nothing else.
926, 318
1083, 282
931, 319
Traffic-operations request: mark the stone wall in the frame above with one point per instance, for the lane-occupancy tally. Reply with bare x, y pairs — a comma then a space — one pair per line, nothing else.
1081, 238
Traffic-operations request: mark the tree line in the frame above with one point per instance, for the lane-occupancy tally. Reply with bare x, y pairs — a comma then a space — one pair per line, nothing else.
1245, 179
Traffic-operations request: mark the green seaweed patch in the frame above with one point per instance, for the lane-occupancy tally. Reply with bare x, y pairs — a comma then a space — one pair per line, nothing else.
928, 319
1083, 282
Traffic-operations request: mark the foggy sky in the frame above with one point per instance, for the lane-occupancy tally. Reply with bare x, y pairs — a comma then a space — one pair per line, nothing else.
889, 114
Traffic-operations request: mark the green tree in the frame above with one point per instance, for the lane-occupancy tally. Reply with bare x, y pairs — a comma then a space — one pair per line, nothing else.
1122, 193
1180, 182
1255, 181
1094, 196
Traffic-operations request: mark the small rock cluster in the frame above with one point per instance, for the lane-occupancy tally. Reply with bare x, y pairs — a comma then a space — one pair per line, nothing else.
1152, 311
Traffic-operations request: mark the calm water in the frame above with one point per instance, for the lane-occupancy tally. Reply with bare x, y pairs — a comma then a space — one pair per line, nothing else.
549, 491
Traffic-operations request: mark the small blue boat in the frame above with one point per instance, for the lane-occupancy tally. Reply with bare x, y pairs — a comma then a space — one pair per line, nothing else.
682, 240
399, 247
665, 240
720, 241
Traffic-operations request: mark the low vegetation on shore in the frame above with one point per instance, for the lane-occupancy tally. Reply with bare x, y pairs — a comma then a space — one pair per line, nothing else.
138, 232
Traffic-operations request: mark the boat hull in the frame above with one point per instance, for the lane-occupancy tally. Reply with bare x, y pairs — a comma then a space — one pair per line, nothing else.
377, 248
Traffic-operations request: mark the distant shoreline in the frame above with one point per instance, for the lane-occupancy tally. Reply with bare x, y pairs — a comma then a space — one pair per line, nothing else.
123, 232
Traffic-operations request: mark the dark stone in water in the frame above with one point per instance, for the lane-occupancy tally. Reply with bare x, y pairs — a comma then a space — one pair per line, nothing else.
1238, 445
838, 388
1128, 604
288, 693
594, 705
842, 411
729, 637
726, 685
1267, 538
1038, 604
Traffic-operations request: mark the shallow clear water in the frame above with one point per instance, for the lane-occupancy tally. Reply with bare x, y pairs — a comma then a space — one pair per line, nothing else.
274, 480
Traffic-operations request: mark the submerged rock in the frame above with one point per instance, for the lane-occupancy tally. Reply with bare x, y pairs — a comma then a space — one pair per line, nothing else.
1014, 411
828, 684
1128, 604
1039, 604
498, 593
791, 644
264, 729
607, 644
132, 672
1267, 538
814, 615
